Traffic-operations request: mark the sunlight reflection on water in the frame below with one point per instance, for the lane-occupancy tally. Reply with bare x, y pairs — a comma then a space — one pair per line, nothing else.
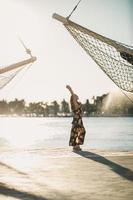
101, 133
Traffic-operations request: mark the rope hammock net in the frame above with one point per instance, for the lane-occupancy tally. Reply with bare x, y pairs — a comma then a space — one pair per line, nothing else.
9, 72
7, 77
114, 58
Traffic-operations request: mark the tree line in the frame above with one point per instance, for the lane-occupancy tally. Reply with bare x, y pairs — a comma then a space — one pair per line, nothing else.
99, 107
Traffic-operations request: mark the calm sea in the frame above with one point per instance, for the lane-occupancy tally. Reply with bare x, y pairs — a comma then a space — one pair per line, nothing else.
111, 133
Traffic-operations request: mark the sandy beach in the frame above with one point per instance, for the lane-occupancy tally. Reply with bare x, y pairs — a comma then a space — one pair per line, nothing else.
60, 174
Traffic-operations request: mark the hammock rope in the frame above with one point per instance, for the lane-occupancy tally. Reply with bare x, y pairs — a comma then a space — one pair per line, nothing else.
74, 9
9, 72
7, 77
15, 84
113, 57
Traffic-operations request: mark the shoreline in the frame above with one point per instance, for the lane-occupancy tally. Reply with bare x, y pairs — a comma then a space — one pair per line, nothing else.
91, 116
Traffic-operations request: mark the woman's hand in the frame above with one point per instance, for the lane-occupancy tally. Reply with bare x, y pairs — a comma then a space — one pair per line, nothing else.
68, 87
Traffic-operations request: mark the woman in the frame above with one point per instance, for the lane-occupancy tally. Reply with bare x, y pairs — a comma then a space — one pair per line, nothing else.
78, 130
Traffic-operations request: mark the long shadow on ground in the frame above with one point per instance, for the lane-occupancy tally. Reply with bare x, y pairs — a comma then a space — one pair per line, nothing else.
120, 170
7, 191
11, 168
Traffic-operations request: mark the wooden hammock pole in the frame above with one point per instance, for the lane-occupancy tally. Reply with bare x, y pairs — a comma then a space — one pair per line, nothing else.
60, 18
111, 42
17, 65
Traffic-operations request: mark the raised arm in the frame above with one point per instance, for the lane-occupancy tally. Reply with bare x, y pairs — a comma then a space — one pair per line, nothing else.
70, 89
74, 99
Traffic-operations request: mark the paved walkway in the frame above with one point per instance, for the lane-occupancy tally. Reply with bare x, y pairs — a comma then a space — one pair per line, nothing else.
59, 174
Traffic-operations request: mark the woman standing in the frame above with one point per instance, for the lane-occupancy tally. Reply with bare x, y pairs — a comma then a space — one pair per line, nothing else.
78, 131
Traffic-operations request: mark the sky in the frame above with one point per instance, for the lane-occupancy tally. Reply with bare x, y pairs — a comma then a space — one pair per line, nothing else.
60, 60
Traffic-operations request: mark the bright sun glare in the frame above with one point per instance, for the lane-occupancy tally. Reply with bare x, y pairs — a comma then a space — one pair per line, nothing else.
60, 60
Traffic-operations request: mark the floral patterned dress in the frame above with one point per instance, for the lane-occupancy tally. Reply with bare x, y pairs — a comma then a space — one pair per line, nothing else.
78, 131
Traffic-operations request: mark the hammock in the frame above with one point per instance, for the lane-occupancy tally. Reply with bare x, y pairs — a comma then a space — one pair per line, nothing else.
9, 72
114, 58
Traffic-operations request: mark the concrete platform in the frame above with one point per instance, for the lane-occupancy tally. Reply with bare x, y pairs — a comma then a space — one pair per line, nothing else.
60, 174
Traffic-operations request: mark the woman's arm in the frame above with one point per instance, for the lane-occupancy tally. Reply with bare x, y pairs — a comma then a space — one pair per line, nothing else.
74, 98
70, 89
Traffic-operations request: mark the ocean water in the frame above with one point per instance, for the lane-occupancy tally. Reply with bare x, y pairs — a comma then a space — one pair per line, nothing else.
109, 133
